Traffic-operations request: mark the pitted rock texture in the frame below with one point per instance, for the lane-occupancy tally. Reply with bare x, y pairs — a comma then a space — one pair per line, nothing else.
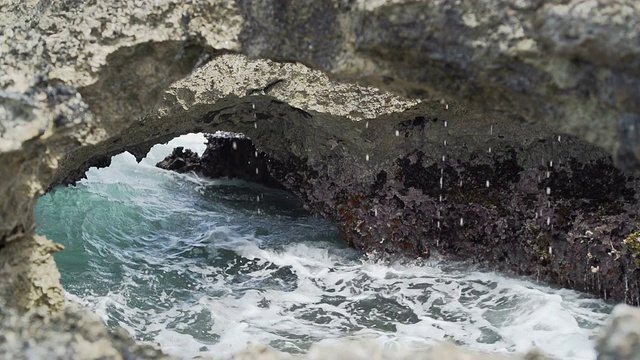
70, 334
620, 338
38, 281
364, 350
570, 64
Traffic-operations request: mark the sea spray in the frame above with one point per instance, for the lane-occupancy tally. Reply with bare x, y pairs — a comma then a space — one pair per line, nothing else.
200, 267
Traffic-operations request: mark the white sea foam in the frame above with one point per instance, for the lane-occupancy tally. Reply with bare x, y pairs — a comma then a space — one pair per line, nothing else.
520, 314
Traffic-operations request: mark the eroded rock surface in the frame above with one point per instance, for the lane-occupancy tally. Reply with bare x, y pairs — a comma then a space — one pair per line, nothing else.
76, 76
80, 82
69, 334
226, 156
570, 64
620, 339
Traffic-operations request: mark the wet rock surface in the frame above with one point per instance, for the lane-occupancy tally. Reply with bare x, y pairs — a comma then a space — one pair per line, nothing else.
225, 157
181, 161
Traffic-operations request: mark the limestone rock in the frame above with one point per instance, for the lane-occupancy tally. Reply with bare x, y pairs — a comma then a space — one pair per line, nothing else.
570, 64
72, 333
364, 350
30, 274
620, 339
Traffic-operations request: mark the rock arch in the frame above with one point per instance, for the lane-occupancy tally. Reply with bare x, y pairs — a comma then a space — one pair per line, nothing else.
74, 95
399, 177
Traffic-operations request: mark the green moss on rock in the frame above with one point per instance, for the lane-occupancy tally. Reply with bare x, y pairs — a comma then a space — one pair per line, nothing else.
633, 244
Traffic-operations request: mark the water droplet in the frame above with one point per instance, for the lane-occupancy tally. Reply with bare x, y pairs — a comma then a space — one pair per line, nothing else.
445, 123
489, 150
255, 153
438, 224
441, 182
253, 106
439, 200
548, 174
491, 130
460, 183
550, 250
443, 158
445, 143
551, 163
367, 157
397, 132
548, 221
255, 125
257, 171
446, 107
559, 138
461, 222
366, 125
548, 190
375, 212
258, 198
234, 145
488, 184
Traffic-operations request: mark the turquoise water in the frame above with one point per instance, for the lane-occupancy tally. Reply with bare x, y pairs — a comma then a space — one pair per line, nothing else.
204, 267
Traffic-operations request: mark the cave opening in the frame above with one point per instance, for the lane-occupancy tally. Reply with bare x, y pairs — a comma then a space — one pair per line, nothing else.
202, 267
152, 250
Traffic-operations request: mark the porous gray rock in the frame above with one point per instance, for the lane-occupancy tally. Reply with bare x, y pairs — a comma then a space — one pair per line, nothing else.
620, 338
364, 350
72, 333
572, 65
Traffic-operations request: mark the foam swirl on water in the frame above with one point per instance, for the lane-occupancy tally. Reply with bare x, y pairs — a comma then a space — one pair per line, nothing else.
205, 267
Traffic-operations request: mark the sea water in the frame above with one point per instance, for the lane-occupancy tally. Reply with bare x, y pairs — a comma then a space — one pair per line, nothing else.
206, 267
